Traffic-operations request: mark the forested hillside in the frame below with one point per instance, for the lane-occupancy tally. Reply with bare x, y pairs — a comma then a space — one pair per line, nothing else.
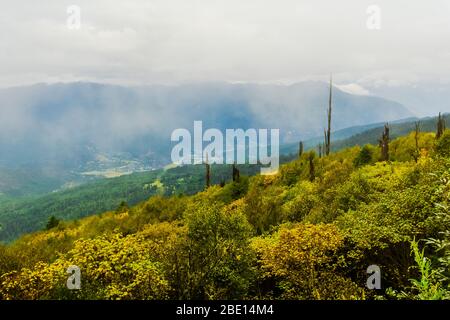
362, 135
28, 214
308, 232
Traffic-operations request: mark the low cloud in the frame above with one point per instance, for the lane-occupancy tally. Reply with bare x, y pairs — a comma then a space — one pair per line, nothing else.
354, 88
179, 41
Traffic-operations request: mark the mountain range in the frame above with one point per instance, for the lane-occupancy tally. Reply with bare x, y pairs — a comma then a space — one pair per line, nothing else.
68, 133
77, 120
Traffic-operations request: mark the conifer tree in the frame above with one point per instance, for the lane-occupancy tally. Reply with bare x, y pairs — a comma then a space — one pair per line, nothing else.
52, 223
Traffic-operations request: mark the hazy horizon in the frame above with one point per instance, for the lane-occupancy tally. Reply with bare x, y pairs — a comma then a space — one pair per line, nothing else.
375, 48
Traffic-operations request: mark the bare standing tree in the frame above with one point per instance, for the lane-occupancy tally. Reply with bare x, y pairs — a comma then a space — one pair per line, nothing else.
208, 173
328, 131
300, 149
312, 173
384, 143
416, 138
440, 126
236, 173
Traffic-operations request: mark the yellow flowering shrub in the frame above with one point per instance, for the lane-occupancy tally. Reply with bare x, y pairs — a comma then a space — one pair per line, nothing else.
112, 267
303, 260
38, 282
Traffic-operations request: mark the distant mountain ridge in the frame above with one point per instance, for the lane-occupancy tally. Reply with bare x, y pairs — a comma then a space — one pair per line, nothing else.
69, 127
345, 134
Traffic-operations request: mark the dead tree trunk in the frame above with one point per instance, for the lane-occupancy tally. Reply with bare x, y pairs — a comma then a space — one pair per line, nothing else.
440, 126
384, 143
300, 149
208, 173
312, 173
236, 173
328, 131
416, 138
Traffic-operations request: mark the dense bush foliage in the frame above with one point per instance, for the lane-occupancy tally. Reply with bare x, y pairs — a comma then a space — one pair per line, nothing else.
281, 236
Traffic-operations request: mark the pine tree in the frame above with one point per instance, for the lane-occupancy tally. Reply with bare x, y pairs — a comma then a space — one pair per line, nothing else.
364, 157
52, 222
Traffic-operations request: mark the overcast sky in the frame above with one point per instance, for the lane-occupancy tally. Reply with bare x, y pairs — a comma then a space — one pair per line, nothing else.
178, 41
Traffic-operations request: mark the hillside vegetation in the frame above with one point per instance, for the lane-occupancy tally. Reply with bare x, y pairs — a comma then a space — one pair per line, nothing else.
308, 232
367, 134
29, 214
19, 215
